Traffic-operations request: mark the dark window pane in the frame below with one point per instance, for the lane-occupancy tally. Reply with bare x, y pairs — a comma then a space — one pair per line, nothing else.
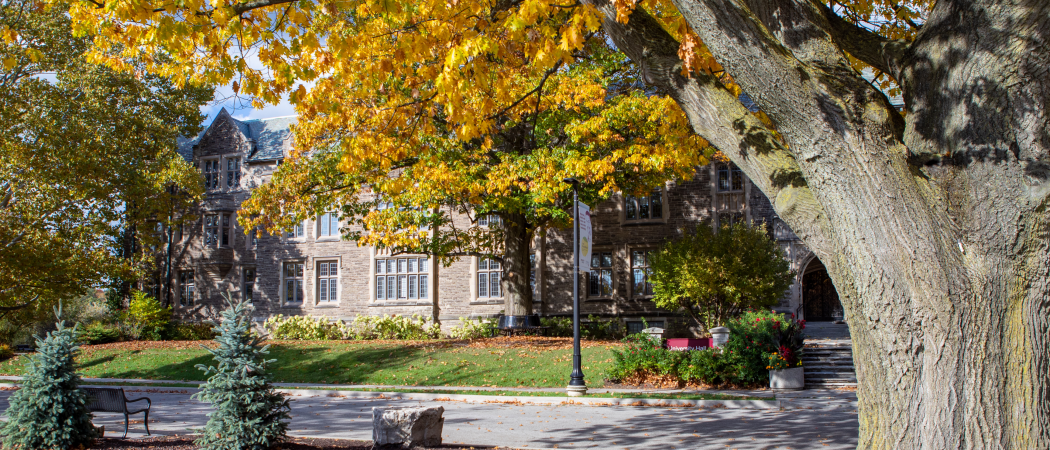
656, 203
606, 282
595, 286
483, 285
643, 208
606, 259
632, 208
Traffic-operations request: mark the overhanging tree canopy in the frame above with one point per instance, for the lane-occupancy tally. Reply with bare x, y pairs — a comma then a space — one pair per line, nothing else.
86, 153
932, 221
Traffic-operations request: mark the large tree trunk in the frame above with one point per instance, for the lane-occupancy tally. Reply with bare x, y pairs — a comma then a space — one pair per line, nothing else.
934, 229
517, 296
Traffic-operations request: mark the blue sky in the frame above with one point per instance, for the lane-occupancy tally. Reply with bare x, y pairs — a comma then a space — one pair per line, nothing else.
241, 110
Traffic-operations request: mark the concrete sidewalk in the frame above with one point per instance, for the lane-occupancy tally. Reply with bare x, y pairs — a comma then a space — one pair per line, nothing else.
821, 424
812, 398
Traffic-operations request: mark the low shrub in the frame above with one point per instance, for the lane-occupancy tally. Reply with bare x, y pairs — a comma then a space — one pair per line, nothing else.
557, 326
148, 319
758, 341
471, 329
643, 356
6, 352
753, 337
189, 331
393, 327
100, 333
706, 367
303, 328
597, 329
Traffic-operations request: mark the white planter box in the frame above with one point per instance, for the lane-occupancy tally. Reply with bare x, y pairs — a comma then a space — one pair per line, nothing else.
792, 379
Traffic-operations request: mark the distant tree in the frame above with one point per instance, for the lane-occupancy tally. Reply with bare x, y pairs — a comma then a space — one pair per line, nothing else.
87, 161
248, 414
50, 411
716, 276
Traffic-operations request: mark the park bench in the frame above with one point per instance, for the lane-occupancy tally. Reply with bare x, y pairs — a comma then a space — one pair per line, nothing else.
106, 399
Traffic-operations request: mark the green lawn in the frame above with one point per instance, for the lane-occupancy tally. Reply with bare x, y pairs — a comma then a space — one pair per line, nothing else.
358, 363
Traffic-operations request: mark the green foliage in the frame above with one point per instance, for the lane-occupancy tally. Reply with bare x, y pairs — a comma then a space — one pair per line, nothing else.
643, 355
85, 154
393, 327
6, 352
596, 328
306, 328
100, 333
471, 329
706, 366
715, 276
146, 316
188, 331
249, 414
50, 411
557, 326
753, 337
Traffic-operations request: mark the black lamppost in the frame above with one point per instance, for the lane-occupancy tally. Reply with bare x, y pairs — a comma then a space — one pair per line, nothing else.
577, 386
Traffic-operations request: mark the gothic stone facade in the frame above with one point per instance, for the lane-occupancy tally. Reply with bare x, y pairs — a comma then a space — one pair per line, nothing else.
311, 271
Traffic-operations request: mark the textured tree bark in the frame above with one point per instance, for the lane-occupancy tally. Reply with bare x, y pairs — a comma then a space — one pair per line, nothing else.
517, 296
933, 225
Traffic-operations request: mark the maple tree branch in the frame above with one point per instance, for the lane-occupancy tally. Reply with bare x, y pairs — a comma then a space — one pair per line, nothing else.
880, 52
718, 116
538, 88
242, 8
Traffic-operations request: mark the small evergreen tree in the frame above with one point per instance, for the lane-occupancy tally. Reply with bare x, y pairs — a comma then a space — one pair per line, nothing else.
50, 411
248, 414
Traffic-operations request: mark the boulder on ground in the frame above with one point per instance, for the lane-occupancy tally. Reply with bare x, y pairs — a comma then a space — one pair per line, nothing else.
407, 427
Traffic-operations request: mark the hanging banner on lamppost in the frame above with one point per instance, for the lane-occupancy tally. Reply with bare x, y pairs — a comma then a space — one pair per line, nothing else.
585, 235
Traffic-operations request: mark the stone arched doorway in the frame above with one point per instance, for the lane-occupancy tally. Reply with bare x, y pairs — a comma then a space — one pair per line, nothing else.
820, 302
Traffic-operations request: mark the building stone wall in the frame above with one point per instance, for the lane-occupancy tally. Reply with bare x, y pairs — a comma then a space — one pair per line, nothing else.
452, 292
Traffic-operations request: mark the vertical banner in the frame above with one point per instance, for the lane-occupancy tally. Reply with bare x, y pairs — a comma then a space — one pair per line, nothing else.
585, 237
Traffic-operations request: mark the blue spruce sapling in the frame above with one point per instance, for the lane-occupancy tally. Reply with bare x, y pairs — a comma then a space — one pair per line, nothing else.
50, 411
249, 414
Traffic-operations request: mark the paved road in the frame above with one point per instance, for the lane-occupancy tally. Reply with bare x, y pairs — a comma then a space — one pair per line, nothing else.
531, 426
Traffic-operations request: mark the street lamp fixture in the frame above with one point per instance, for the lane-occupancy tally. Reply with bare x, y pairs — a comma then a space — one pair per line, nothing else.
577, 386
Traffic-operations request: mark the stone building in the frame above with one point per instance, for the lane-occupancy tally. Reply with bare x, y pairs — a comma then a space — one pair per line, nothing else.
310, 270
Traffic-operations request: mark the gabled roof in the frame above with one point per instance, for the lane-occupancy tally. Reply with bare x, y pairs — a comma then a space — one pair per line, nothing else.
267, 134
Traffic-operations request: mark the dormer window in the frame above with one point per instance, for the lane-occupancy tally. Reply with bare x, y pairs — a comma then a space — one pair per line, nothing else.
233, 173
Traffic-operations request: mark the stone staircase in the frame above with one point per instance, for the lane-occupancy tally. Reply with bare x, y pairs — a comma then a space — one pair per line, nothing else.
829, 364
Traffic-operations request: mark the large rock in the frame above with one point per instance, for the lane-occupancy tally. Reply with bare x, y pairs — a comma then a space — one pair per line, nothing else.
407, 427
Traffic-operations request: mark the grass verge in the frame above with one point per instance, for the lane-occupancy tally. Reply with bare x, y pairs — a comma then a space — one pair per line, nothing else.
521, 363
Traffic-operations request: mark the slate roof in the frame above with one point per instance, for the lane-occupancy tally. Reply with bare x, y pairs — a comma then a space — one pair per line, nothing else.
268, 134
